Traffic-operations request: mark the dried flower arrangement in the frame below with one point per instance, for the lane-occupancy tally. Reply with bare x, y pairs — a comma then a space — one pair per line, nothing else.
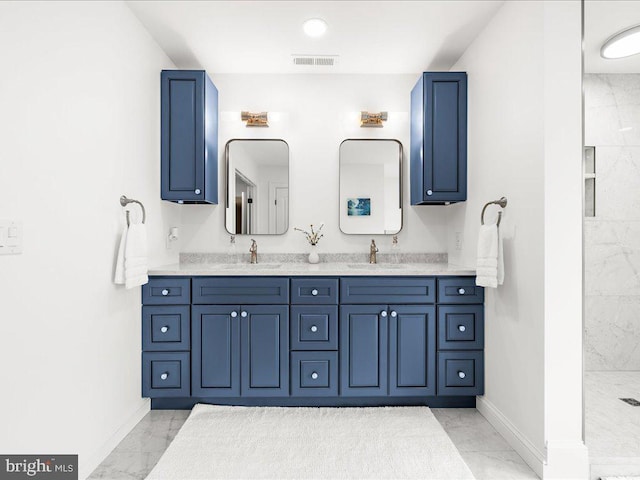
312, 237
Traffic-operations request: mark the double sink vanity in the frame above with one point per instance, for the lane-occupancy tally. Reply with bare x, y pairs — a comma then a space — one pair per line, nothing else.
333, 333
301, 334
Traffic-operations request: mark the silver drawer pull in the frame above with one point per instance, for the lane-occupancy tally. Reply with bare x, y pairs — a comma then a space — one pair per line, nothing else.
234, 314
462, 374
243, 314
164, 376
461, 291
429, 192
164, 329
314, 292
197, 191
462, 328
165, 292
314, 375
383, 313
314, 328
394, 314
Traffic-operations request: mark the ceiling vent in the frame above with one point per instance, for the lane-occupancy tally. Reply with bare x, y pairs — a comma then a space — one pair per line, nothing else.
315, 60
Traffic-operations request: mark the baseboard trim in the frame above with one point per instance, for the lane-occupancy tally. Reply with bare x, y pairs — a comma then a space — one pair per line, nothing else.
521, 444
89, 465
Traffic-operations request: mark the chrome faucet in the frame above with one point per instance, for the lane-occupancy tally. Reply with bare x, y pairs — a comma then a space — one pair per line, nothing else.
254, 251
372, 252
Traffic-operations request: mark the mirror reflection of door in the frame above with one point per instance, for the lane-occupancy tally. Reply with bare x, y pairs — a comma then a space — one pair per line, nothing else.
245, 204
257, 187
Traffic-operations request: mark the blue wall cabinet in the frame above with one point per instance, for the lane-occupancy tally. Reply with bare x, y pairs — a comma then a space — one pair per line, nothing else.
363, 350
439, 138
412, 350
265, 350
189, 131
215, 370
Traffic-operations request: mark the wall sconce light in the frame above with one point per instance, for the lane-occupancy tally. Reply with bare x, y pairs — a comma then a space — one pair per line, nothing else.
255, 119
372, 119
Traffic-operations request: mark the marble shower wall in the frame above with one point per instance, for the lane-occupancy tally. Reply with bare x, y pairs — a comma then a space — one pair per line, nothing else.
612, 237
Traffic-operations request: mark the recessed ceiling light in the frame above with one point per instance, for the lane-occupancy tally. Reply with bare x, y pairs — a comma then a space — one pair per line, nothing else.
622, 44
314, 27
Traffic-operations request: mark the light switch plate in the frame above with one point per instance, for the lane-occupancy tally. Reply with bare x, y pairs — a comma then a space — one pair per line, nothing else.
10, 237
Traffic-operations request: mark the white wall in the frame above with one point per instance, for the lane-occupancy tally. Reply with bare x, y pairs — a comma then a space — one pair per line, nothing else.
80, 121
514, 112
314, 114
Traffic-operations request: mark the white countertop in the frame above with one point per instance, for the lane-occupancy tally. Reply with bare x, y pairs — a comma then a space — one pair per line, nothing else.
302, 269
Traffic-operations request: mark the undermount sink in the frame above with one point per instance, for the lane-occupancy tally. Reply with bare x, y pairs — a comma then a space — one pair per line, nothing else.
252, 266
376, 265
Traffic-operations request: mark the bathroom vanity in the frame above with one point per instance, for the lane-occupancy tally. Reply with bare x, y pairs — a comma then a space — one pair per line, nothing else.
254, 338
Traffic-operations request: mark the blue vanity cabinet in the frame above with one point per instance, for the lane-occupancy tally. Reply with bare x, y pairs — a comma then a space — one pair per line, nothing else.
439, 139
363, 350
189, 137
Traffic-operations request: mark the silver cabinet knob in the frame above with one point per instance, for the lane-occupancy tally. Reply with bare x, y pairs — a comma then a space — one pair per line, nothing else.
164, 329
197, 191
394, 314
165, 292
234, 314
383, 313
243, 314
314, 292
429, 192
314, 328
461, 291
164, 376
314, 375
462, 374
462, 328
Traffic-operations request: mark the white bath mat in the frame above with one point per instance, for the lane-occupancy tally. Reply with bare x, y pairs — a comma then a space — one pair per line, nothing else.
303, 443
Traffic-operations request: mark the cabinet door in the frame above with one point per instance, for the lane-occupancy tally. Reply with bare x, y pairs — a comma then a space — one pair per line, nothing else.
215, 368
265, 350
363, 350
439, 138
412, 350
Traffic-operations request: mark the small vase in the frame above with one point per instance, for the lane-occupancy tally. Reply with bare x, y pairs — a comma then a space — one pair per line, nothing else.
313, 255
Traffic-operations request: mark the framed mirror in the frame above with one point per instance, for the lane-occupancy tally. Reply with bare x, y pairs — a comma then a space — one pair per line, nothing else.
370, 186
257, 196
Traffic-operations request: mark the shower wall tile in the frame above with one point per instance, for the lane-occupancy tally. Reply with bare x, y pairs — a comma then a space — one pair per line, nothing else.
612, 109
612, 237
612, 333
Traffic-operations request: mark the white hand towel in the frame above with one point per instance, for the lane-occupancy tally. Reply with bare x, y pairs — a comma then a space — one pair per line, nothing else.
490, 267
118, 278
135, 256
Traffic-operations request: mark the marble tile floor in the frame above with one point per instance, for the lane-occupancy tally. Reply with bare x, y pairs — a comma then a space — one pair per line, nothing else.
612, 427
483, 449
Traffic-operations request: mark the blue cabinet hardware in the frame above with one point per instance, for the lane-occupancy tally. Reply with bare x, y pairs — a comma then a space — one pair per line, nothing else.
189, 137
312, 341
439, 138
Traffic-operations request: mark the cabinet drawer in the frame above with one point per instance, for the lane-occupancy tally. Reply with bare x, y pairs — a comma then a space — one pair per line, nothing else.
166, 291
459, 290
240, 290
165, 374
314, 327
368, 290
460, 373
461, 327
314, 291
314, 374
166, 327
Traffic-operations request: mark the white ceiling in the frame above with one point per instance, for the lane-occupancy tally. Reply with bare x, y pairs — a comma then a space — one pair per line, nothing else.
369, 36
602, 19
